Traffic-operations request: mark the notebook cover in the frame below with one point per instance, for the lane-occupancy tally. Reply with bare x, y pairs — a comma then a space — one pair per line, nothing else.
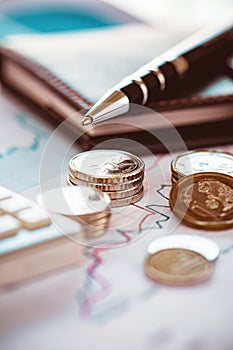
212, 92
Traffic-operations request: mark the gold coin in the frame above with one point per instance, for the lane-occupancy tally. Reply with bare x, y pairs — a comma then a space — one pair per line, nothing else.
193, 162
97, 216
201, 245
178, 267
173, 180
106, 166
91, 232
204, 200
106, 187
87, 234
100, 222
128, 200
125, 194
118, 194
75, 201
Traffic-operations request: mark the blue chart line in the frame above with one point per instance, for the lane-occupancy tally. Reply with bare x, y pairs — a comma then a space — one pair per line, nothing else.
39, 135
87, 297
159, 223
161, 189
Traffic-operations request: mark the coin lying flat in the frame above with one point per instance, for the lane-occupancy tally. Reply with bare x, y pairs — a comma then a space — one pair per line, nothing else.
202, 161
106, 166
204, 246
181, 259
178, 267
204, 200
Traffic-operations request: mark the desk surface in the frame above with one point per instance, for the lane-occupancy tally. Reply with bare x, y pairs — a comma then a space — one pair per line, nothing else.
109, 302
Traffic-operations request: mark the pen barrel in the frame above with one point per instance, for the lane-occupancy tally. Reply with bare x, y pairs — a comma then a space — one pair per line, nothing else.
188, 63
212, 52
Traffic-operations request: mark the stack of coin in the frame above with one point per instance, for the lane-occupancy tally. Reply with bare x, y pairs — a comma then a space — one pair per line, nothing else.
83, 204
193, 162
202, 191
117, 173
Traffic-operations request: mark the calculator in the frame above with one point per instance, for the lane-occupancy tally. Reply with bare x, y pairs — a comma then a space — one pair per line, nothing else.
30, 244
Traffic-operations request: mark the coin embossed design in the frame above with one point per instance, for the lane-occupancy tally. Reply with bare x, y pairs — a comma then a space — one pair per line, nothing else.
178, 267
202, 161
106, 166
204, 200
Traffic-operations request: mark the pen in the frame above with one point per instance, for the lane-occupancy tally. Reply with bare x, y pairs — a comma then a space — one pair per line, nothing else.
187, 60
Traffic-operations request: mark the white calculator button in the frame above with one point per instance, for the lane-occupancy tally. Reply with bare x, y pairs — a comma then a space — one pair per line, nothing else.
5, 193
9, 226
33, 218
14, 204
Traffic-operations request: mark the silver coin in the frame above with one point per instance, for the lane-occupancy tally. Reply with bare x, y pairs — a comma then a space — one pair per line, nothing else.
75, 201
202, 161
106, 166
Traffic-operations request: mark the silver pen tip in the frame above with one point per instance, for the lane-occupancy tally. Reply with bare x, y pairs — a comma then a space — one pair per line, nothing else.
87, 120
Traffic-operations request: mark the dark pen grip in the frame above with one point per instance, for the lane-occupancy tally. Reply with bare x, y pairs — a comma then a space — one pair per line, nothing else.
218, 46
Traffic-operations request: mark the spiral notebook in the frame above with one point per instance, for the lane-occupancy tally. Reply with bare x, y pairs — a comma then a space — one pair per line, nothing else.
64, 74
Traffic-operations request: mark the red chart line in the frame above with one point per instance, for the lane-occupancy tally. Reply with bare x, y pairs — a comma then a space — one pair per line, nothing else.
142, 208
105, 290
105, 286
156, 162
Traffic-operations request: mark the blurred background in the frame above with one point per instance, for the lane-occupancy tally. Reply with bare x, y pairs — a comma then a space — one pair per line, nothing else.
25, 15
179, 12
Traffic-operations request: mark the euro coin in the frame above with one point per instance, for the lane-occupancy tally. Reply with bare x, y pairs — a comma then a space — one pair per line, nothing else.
106, 166
178, 267
202, 161
204, 200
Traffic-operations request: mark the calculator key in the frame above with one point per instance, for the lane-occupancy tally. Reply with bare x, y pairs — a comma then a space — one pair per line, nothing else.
9, 226
14, 204
29, 244
33, 218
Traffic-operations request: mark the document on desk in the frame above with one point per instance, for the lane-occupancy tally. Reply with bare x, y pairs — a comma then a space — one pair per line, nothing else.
23, 137
110, 303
